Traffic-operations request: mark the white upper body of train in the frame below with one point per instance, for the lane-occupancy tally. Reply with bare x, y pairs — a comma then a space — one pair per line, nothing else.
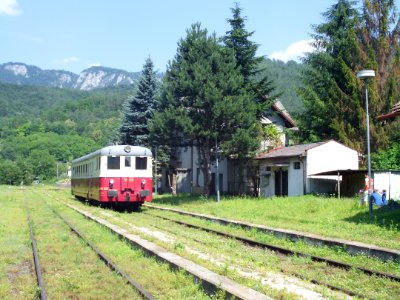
114, 161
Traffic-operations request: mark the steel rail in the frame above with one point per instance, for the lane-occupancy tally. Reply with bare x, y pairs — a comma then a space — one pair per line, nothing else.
353, 247
38, 271
285, 251
108, 262
314, 281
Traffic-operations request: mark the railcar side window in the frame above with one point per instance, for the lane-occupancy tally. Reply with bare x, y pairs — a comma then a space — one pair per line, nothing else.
141, 163
127, 161
113, 163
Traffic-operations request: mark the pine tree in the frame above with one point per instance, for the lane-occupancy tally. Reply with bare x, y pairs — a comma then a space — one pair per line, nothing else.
331, 94
238, 39
334, 98
138, 109
203, 101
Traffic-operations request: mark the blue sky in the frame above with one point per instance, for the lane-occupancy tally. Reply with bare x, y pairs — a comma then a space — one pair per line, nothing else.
75, 34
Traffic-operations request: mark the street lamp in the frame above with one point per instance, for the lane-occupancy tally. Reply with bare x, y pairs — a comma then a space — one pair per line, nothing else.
217, 170
366, 74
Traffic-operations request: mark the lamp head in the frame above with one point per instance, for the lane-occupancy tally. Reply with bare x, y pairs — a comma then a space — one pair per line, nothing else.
365, 74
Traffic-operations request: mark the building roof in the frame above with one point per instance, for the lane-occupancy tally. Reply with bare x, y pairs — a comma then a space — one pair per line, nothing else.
393, 113
281, 110
296, 150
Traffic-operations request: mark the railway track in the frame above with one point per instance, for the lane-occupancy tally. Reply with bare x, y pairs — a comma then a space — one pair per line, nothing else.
274, 248
286, 251
289, 252
108, 262
352, 247
210, 281
38, 272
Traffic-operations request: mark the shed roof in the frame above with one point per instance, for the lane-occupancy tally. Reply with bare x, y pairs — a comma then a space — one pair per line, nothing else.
296, 150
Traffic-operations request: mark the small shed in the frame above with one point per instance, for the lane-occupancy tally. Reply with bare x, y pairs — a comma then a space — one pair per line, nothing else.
290, 171
350, 182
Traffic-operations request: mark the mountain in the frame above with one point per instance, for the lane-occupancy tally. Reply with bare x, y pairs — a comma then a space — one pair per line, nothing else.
88, 79
286, 78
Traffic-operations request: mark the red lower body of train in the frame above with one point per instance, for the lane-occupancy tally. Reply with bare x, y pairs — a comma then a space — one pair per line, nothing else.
134, 190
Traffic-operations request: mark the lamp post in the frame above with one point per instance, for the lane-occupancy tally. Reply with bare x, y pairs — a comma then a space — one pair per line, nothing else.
217, 171
366, 74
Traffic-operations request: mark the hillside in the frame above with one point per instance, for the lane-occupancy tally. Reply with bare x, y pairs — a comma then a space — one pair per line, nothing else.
41, 124
286, 78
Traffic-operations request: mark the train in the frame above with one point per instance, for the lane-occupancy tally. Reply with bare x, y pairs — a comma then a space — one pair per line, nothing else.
114, 175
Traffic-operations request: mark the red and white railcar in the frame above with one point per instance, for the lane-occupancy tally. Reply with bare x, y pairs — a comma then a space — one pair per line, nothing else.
114, 174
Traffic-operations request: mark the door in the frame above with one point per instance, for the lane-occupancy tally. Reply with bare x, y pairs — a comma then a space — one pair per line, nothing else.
281, 182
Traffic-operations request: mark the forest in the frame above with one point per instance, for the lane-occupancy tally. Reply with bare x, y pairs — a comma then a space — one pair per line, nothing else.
42, 129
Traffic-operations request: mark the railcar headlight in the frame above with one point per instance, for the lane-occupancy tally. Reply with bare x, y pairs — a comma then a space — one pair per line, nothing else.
111, 183
143, 183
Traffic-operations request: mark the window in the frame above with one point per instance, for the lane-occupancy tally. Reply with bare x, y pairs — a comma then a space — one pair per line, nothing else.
296, 165
141, 163
127, 161
113, 163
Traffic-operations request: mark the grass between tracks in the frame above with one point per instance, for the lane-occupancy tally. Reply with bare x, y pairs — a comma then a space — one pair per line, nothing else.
71, 270
326, 216
227, 257
329, 217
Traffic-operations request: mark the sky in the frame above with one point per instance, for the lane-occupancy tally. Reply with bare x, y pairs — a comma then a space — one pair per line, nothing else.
73, 35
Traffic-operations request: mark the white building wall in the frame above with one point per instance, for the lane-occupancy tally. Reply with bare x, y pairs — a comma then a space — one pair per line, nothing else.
295, 178
331, 156
327, 157
388, 181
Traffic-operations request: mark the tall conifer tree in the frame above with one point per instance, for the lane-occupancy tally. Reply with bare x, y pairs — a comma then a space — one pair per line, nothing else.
203, 102
346, 43
238, 39
330, 93
138, 109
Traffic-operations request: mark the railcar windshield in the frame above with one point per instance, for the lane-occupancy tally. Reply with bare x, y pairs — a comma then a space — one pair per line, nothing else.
113, 162
141, 163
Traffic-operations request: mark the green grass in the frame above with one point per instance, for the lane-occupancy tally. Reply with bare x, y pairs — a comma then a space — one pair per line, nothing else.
233, 255
330, 217
16, 263
71, 270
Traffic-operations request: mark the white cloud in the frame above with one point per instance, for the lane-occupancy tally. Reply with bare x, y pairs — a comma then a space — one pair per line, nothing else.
9, 7
66, 60
95, 64
294, 52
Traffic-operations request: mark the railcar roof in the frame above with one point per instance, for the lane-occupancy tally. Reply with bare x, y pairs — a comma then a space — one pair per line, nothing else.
117, 150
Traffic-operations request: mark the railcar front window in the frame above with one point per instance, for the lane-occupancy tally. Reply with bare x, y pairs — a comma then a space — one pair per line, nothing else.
127, 161
113, 163
141, 163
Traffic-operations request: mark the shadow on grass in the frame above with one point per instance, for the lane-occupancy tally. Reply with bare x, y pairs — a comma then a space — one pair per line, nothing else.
116, 206
387, 217
181, 199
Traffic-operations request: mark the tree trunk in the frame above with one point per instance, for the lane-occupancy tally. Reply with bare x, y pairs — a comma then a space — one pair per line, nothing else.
205, 165
172, 181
